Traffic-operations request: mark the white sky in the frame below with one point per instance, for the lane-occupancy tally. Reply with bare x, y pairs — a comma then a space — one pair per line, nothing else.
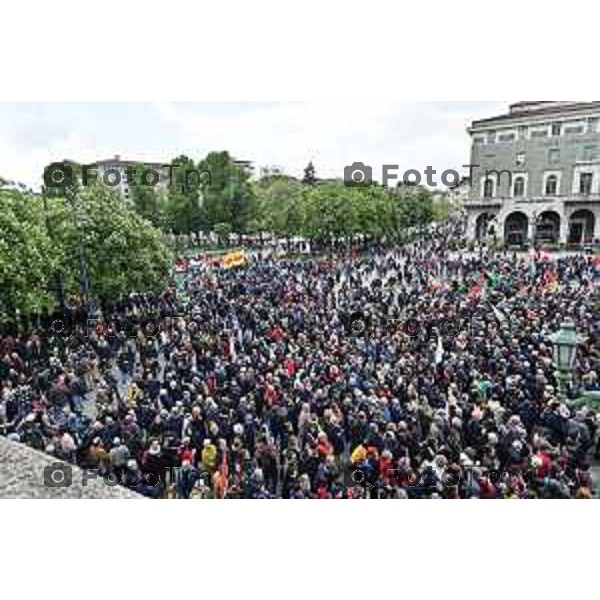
285, 134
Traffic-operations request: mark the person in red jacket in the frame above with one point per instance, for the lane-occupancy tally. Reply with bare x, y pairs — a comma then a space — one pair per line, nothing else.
385, 467
487, 488
290, 366
324, 447
543, 465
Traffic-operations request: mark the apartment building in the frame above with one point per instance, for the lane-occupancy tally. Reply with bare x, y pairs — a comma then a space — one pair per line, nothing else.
112, 166
115, 165
535, 174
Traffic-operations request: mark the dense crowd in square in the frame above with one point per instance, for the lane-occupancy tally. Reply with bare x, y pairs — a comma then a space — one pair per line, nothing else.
408, 371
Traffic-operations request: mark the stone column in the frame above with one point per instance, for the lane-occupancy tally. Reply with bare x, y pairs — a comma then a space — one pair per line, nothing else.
471, 224
531, 229
563, 234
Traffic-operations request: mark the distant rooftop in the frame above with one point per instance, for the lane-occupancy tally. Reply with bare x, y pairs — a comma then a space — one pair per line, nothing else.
536, 108
117, 161
530, 106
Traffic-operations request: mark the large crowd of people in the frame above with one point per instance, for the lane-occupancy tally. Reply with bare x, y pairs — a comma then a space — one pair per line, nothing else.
409, 371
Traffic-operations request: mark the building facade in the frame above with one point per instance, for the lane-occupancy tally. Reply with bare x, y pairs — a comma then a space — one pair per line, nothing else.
459, 194
166, 173
535, 175
115, 165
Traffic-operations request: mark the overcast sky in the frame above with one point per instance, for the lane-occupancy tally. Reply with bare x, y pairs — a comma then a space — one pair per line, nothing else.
285, 134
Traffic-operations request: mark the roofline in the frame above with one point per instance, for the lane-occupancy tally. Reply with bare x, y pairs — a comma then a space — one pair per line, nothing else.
129, 162
121, 162
520, 116
115, 162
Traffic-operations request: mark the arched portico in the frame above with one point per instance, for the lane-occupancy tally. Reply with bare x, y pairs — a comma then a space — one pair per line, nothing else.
516, 226
484, 225
547, 228
582, 225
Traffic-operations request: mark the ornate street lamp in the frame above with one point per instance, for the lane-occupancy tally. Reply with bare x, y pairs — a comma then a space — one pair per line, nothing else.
565, 350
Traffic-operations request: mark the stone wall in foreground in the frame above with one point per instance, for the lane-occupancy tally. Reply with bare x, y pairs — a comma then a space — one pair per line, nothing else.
22, 476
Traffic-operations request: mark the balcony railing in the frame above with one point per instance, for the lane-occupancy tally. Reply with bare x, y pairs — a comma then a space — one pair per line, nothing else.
483, 201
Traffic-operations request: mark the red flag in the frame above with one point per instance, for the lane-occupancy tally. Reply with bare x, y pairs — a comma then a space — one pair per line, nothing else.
544, 256
476, 291
182, 265
550, 282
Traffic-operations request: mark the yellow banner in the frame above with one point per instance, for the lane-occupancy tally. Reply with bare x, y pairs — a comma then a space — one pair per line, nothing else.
234, 259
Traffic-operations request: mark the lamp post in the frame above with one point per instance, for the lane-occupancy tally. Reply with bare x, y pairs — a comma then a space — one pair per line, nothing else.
90, 305
57, 283
565, 349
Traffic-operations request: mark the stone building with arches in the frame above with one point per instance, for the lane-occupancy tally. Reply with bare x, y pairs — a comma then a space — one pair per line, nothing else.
535, 175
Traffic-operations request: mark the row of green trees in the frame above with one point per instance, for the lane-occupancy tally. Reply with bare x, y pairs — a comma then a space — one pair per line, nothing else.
190, 200
196, 202
44, 240
288, 207
229, 201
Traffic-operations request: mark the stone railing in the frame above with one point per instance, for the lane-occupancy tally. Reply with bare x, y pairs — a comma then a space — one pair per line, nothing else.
24, 473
